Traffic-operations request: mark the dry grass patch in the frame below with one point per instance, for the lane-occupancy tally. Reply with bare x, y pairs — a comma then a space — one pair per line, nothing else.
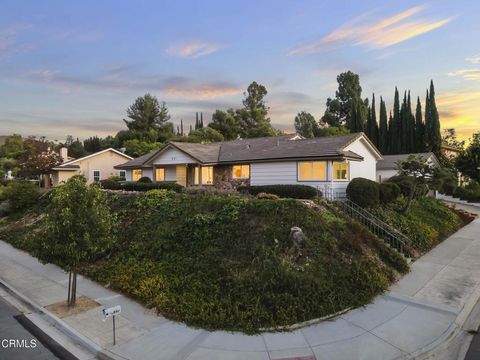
62, 310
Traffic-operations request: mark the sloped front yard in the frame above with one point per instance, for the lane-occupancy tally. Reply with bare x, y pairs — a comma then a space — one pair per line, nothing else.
231, 262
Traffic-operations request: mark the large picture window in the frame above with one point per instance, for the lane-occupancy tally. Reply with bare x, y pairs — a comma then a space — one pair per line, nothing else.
312, 171
241, 171
159, 174
340, 171
207, 175
136, 174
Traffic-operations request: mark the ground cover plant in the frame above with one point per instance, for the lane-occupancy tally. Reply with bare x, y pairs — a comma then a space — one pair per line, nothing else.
229, 261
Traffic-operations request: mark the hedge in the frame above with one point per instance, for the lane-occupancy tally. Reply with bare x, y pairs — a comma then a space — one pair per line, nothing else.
469, 193
283, 191
141, 186
21, 194
364, 192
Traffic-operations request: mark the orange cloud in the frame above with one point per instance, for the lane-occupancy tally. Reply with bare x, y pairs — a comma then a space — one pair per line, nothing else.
460, 110
204, 91
193, 50
377, 34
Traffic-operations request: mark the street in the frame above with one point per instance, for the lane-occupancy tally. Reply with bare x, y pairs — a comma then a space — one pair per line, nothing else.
16, 343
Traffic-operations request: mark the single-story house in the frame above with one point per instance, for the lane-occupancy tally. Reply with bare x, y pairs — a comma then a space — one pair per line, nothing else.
94, 167
388, 166
325, 162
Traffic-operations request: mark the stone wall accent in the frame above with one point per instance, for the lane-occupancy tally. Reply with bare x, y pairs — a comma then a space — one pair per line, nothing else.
222, 178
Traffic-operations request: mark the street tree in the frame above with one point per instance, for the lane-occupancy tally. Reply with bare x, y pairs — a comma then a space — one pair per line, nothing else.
80, 228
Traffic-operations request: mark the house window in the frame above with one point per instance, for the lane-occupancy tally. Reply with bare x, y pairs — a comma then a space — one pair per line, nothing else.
159, 174
136, 174
312, 171
241, 171
340, 170
207, 175
96, 175
122, 175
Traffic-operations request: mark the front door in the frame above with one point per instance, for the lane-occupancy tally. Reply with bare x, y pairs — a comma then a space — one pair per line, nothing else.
181, 177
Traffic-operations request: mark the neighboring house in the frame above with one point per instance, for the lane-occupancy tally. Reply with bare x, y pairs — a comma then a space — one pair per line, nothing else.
388, 166
450, 152
94, 167
325, 162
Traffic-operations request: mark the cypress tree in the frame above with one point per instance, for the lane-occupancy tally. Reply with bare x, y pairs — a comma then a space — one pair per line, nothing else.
201, 120
428, 123
411, 126
419, 137
435, 135
403, 126
395, 141
372, 126
197, 124
391, 129
383, 129
359, 118
190, 130
181, 127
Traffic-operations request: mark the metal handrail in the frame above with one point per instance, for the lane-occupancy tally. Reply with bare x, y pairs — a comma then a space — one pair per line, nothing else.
376, 219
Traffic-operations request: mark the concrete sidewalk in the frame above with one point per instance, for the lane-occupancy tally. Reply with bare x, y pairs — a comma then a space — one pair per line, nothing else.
419, 312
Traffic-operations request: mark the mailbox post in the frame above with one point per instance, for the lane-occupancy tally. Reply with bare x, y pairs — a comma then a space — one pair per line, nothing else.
115, 310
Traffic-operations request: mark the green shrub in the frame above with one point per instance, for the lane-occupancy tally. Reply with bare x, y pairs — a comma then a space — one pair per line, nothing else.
283, 191
141, 186
388, 192
145, 180
21, 194
470, 193
112, 183
405, 183
267, 196
364, 192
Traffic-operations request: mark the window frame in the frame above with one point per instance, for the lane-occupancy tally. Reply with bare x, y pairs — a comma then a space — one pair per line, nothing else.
196, 176
240, 177
133, 172
312, 180
164, 174
342, 163
99, 175
124, 176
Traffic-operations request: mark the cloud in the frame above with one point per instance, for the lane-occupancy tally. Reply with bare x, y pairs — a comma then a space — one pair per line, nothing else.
374, 34
201, 91
193, 50
467, 74
473, 59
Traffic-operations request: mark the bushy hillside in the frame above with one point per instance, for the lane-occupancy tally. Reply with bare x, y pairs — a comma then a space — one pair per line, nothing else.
230, 262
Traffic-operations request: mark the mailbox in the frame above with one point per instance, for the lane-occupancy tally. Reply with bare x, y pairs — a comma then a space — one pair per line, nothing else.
115, 310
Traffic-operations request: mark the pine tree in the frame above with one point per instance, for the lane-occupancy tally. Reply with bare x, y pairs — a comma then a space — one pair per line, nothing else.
372, 126
419, 128
383, 129
435, 134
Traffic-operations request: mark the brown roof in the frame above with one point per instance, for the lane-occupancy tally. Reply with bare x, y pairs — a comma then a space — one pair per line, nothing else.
260, 149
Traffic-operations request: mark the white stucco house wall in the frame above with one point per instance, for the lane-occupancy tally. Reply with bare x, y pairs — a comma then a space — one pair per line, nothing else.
326, 163
388, 166
94, 167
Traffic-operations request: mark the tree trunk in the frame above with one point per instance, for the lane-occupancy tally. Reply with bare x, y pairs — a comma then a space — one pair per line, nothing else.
69, 287
411, 194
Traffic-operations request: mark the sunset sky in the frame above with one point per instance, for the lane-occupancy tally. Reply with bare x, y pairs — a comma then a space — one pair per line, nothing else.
74, 67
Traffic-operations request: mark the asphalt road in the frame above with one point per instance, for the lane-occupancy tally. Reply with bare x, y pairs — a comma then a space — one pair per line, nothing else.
11, 335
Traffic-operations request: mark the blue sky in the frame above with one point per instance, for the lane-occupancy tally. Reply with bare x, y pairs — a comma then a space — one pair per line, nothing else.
74, 67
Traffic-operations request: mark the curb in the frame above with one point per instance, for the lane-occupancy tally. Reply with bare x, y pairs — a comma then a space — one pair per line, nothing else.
77, 338
45, 339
